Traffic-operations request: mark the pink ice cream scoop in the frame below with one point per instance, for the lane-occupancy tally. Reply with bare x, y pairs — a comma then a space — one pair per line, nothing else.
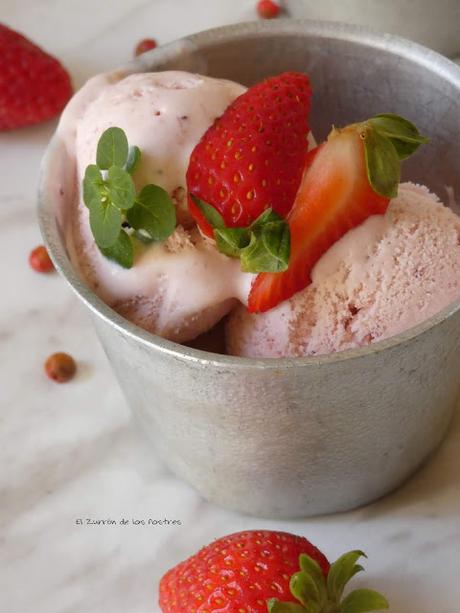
183, 286
387, 275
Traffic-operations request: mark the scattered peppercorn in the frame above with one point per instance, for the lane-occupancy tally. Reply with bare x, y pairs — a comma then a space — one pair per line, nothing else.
39, 259
267, 9
60, 367
145, 45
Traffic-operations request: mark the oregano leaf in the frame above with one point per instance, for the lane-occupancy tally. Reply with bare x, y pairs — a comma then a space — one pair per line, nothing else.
112, 149
153, 213
134, 156
364, 601
382, 164
105, 221
212, 215
121, 251
92, 186
120, 188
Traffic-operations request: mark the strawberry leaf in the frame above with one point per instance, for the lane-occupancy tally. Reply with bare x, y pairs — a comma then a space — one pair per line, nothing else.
310, 567
304, 588
269, 249
213, 217
105, 222
265, 217
363, 601
341, 572
112, 149
382, 164
275, 606
232, 240
120, 188
403, 133
121, 251
153, 213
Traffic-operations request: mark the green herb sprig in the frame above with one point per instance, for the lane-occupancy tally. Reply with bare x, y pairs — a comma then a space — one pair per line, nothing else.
110, 195
264, 246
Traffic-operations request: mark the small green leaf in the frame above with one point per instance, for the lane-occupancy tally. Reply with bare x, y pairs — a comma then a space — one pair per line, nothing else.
153, 213
304, 588
382, 164
120, 188
275, 606
363, 601
212, 215
232, 240
341, 572
134, 156
403, 133
268, 250
92, 186
309, 566
121, 251
267, 216
112, 149
105, 222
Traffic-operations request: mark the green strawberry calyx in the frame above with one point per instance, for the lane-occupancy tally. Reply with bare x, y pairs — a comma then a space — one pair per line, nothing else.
388, 140
317, 593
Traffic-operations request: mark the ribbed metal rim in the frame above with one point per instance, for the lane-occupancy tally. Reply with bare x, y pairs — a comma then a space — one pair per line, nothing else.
202, 40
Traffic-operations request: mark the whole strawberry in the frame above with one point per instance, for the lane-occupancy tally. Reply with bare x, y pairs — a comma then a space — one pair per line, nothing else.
34, 86
252, 157
260, 571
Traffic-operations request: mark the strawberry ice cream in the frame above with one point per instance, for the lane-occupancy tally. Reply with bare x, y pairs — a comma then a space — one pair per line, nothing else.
183, 286
383, 277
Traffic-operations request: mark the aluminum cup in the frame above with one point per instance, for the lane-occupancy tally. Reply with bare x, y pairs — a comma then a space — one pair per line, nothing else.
434, 24
294, 437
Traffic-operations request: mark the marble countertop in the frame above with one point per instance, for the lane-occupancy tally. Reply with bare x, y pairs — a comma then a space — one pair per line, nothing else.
71, 452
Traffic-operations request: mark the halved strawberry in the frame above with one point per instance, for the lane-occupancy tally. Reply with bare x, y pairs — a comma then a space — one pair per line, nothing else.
252, 157
352, 176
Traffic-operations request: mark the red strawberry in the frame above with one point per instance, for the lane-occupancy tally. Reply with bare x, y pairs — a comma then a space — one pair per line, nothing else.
267, 9
146, 44
252, 157
334, 196
260, 571
240, 570
34, 86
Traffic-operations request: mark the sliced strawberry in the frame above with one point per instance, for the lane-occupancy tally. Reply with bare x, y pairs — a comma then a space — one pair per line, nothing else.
253, 156
334, 196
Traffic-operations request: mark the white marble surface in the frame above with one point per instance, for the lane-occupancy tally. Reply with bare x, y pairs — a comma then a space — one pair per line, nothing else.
69, 452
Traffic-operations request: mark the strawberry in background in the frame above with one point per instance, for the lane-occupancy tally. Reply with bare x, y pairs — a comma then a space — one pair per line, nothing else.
34, 86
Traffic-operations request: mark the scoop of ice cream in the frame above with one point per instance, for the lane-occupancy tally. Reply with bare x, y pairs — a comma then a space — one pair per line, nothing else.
182, 287
383, 277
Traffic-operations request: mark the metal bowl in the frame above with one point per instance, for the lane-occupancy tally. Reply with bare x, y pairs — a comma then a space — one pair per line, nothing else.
435, 25
294, 437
